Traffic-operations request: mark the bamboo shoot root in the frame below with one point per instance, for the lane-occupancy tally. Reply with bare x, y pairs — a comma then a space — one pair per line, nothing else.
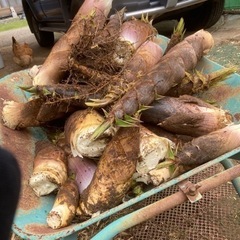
55, 66
145, 58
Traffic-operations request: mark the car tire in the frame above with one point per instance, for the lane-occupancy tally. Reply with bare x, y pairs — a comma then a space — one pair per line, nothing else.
44, 39
204, 16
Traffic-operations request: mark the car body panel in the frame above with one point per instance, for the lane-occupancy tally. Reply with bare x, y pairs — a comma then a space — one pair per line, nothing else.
59, 10
48, 16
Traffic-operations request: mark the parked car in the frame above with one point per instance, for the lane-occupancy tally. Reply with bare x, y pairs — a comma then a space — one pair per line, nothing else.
48, 16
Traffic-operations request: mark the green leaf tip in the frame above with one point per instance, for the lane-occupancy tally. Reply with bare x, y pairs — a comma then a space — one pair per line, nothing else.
180, 28
97, 103
100, 130
128, 121
165, 164
30, 89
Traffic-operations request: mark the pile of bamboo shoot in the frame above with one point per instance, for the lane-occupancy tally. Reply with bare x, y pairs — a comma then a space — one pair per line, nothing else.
128, 112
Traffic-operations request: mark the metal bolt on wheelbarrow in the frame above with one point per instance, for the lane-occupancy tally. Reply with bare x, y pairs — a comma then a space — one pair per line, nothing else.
30, 220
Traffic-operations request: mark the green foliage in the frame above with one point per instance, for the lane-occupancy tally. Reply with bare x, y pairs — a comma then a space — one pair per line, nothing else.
13, 24
100, 130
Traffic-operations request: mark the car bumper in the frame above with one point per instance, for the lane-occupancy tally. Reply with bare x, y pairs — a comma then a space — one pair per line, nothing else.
159, 10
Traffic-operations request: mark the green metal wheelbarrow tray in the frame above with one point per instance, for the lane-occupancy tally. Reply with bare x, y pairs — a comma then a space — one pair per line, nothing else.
30, 219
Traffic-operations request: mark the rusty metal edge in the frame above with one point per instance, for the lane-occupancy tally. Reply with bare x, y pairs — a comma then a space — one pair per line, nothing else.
163, 205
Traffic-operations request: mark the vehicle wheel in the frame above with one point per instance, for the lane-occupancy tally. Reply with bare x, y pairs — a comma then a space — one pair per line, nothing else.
204, 16
45, 39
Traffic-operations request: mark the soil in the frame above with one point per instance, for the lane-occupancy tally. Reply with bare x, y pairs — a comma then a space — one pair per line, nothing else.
226, 52
226, 34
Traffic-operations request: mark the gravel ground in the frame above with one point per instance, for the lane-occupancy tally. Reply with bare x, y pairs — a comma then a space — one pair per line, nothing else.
227, 41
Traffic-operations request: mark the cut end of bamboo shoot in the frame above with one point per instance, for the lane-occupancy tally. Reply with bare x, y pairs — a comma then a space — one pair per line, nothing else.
11, 114
65, 205
49, 168
159, 176
54, 219
58, 217
34, 71
42, 184
153, 149
208, 41
79, 129
42, 78
84, 146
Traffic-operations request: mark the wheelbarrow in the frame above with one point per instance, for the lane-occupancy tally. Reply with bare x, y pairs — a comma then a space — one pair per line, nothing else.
30, 219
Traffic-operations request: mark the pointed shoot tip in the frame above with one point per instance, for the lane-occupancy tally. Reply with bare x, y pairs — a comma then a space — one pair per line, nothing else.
100, 130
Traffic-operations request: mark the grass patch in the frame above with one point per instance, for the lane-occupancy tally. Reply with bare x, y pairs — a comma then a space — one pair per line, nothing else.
13, 24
